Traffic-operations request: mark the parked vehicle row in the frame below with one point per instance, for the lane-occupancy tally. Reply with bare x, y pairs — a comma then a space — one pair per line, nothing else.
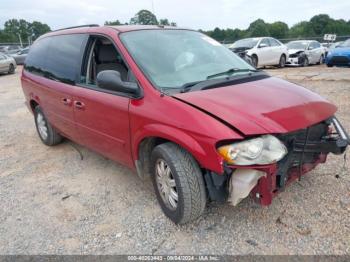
267, 51
204, 124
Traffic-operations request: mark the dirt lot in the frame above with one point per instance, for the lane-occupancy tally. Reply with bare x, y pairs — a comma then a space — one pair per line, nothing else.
52, 202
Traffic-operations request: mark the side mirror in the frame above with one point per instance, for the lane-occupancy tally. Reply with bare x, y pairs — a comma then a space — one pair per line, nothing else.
262, 45
111, 80
310, 48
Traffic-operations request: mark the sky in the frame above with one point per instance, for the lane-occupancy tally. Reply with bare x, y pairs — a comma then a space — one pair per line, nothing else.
196, 14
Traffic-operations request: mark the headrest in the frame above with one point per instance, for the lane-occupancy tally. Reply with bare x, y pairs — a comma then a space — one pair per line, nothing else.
107, 53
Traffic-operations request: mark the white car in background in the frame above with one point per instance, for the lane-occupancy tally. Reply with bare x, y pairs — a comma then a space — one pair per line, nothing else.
264, 51
305, 52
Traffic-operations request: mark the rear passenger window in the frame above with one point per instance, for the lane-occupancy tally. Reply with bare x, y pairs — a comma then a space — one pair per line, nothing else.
274, 42
35, 61
64, 57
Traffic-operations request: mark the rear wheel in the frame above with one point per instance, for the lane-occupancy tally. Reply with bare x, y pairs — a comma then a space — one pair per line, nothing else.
11, 69
329, 65
178, 183
46, 132
282, 62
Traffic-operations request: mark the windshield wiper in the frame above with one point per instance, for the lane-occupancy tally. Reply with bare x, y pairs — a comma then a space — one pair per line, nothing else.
232, 71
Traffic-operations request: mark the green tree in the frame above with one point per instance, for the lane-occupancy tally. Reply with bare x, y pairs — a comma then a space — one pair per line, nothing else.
144, 17
15, 29
318, 23
258, 28
116, 22
301, 30
164, 21
37, 29
18, 28
278, 29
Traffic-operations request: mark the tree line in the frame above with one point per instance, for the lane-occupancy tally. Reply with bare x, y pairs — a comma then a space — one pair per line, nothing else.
16, 31
317, 26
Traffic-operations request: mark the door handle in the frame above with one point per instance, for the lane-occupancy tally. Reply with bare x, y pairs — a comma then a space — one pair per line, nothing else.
79, 105
67, 101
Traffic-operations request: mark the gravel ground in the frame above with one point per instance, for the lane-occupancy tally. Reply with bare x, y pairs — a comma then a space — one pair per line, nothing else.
54, 202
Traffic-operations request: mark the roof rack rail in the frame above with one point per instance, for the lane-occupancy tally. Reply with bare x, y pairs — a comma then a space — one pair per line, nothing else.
78, 26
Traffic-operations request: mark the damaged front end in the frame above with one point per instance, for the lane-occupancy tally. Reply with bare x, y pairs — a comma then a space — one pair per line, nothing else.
298, 58
305, 149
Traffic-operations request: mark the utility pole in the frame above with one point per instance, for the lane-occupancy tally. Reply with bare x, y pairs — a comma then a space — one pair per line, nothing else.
20, 40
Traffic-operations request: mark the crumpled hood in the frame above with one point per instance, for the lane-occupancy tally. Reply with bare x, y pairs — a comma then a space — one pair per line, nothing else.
271, 105
294, 51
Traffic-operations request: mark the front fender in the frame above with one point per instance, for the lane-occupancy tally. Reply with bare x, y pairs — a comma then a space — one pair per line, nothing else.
203, 151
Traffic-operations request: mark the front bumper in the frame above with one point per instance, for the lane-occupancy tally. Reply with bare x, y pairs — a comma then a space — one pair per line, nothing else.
338, 60
293, 61
306, 149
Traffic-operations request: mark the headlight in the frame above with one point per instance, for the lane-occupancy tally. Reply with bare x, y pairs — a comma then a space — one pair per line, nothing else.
263, 150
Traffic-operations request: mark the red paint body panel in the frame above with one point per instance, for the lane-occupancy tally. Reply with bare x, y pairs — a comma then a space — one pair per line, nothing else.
116, 125
271, 105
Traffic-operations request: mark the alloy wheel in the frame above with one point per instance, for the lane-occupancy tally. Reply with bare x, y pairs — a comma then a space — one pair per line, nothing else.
166, 184
42, 126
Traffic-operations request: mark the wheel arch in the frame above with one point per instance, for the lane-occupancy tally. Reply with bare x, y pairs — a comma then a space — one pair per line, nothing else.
155, 134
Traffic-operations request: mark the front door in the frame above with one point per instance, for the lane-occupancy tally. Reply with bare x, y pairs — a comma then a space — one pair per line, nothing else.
102, 116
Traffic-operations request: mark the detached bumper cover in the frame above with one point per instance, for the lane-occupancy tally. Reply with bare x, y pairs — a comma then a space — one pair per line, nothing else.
306, 149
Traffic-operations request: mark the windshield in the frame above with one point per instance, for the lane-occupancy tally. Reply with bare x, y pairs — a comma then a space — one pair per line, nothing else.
247, 42
173, 58
345, 44
297, 45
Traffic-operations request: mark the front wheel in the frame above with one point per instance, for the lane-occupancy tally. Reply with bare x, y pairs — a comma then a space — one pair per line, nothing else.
178, 183
46, 132
255, 61
282, 62
306, 62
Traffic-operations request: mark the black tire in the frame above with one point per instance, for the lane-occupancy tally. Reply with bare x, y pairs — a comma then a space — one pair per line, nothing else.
329, 65
282, 62
11, 69
188, 177
320, 61
53, 137
255, 61
306, 62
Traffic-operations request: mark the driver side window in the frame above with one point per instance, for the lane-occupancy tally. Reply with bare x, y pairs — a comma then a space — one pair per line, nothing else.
101, 55
264, 42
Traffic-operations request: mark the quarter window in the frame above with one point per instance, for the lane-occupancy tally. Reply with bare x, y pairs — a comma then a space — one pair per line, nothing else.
36, 59
64, 57
56, 57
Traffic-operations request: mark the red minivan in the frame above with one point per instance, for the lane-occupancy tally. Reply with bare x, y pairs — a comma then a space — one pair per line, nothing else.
177, 106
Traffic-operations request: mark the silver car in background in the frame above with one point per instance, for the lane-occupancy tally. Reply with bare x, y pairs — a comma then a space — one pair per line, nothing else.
264, 51
305, 52
20, 56
7, 64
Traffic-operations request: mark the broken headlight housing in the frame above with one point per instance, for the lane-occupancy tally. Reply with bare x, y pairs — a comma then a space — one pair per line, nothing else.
262, 150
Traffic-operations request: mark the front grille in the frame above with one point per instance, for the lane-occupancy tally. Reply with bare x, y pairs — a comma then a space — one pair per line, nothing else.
340, 60
296, 156
293, 55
